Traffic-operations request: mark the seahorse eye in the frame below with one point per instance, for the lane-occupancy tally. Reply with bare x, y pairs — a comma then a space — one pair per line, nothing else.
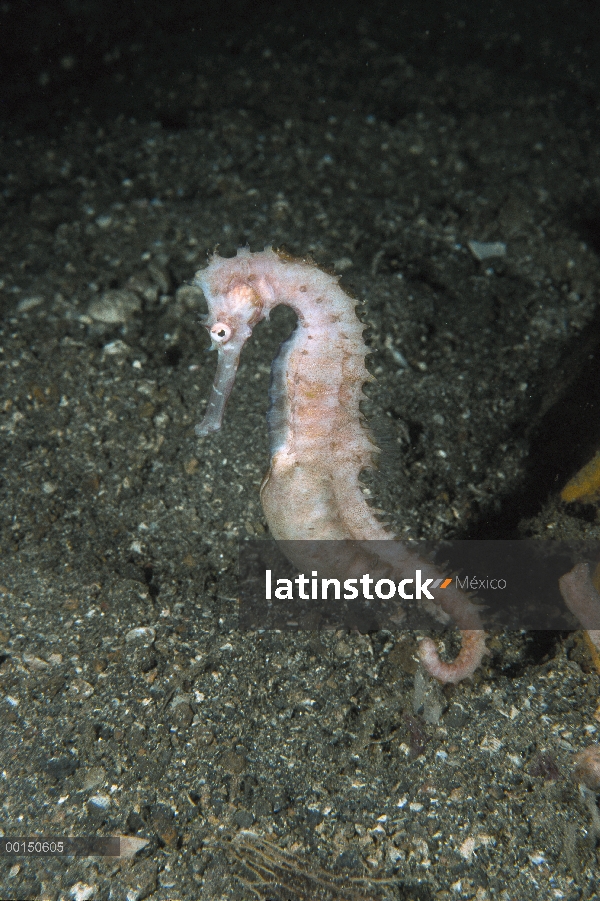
220, 333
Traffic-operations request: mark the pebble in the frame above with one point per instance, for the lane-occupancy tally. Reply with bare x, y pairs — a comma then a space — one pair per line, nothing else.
143, 634
115, 306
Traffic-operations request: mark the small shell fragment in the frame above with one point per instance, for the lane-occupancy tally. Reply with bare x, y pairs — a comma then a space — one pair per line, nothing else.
130, 845
484, 250
143, 634
491, 743
100, 801
29, 303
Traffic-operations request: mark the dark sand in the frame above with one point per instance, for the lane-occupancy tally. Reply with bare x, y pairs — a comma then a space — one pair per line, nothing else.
380, 145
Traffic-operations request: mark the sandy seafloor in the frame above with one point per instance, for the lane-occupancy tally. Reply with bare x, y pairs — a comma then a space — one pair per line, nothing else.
116, 518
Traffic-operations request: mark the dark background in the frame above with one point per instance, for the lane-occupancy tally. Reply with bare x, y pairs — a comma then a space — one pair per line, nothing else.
101, 58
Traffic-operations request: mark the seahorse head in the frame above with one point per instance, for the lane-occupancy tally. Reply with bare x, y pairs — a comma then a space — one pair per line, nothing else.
235, 312
235, 306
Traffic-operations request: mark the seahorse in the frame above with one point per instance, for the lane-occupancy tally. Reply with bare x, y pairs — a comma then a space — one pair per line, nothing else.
319, 440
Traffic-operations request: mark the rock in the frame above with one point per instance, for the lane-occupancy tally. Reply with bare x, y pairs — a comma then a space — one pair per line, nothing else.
115, 306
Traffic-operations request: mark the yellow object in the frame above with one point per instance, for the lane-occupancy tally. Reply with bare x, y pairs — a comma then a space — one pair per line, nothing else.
585, 485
